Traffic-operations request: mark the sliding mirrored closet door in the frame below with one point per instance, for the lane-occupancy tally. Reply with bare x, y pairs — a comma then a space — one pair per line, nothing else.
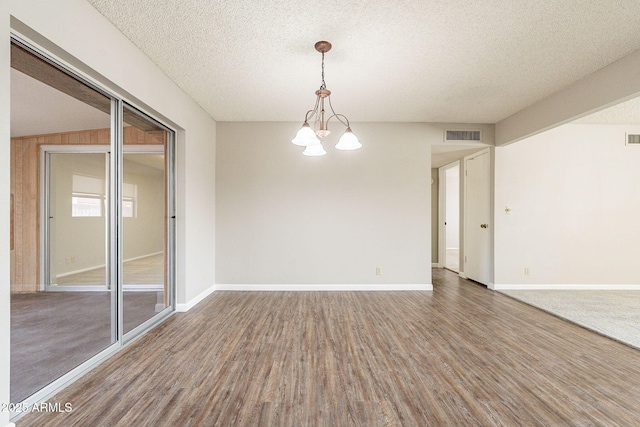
92, 223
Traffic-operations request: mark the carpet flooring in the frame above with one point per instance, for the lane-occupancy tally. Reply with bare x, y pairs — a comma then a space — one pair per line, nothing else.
615, 314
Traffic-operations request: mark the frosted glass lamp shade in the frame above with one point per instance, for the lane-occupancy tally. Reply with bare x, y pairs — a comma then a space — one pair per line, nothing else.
314, 150
306, 136
348, 141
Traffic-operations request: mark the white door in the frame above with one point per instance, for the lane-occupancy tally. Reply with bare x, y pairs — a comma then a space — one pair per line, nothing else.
477, 241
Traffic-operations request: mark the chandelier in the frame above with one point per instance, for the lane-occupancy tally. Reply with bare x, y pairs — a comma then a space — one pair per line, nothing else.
311, 138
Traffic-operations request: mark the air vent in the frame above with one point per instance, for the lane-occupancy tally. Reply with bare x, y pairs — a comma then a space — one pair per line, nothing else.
462, 135
633, 139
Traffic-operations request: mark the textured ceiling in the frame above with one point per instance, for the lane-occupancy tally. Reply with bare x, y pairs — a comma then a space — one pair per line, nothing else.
413, 60
625, 113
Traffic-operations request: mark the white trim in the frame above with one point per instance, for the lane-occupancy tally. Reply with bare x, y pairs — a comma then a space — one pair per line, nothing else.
325, 287
435, 265
11, 425
568, 286
462, 275
194, 301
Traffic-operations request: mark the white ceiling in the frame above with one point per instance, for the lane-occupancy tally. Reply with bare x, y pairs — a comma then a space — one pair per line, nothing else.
416, 60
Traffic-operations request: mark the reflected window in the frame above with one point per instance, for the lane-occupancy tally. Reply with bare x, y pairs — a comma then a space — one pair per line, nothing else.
86, 205
129, 198
88, 196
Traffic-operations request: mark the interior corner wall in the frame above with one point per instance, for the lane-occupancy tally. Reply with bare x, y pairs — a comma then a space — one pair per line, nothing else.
574, 208
5, 194
435, 203
79, 35
287, 219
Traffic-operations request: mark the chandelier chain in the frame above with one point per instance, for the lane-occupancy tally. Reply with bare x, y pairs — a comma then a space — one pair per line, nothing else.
323, 85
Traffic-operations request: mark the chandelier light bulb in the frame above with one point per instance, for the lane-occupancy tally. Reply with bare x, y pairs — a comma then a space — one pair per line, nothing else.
314, 150
348, 141
305, 136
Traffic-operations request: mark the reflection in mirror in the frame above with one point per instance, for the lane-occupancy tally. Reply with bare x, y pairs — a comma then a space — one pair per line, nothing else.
62, 311
144, 223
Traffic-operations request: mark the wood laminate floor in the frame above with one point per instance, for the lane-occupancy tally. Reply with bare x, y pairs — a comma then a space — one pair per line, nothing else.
461, 355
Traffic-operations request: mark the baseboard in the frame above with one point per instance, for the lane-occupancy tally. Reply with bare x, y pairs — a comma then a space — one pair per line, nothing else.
159, 287
325, 287
81, 270
156, 287
194, 301
97, 267
462, 275
567, 286
435, 265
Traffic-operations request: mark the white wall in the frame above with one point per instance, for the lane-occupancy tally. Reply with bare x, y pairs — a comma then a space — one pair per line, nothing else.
144, 232
286, 219
573, 192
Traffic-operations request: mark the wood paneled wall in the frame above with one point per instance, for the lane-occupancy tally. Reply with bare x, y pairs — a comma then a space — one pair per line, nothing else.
25, 193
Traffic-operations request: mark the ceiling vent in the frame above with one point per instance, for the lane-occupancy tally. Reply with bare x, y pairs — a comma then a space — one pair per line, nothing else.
462, 135
633, 139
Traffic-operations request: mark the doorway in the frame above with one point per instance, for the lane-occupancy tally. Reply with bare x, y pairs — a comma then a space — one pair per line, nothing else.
450, 212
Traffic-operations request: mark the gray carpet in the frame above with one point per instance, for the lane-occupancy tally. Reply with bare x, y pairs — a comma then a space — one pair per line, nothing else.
53, 332
612, 313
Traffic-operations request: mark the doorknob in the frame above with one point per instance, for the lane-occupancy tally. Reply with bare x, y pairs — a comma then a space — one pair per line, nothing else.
484, 225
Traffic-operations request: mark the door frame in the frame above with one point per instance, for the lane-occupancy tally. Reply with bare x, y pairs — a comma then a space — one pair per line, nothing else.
45, 170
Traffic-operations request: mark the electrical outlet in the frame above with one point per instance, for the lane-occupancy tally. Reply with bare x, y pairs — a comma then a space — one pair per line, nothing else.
73, 259
378, 271
527, 271
67, 260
